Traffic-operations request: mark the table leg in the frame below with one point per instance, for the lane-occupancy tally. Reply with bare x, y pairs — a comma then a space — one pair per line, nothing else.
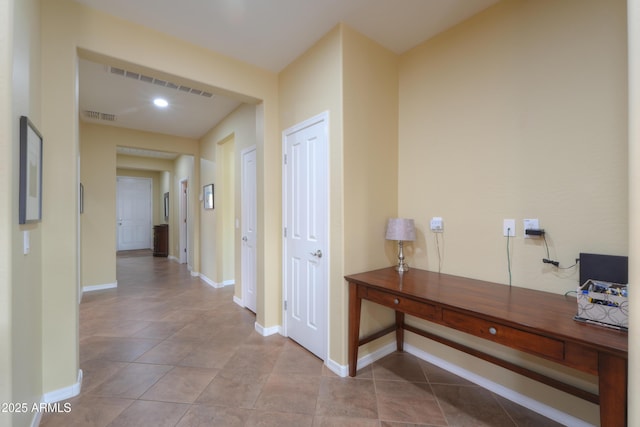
612, 378
355, 304
399, 331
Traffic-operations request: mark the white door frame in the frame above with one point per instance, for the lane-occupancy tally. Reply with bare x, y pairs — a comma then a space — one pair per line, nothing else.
248, 300
322, 117
183, 221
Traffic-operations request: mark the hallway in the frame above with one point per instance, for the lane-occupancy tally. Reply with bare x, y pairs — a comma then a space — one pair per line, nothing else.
165, 349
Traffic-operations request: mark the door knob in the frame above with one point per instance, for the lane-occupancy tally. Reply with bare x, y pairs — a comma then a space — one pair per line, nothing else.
317, 253
244, 238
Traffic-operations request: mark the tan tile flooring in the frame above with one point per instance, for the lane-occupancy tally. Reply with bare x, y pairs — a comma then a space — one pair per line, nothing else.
165, 349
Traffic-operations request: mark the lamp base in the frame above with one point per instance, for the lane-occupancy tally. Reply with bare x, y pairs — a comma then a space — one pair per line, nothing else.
402, 266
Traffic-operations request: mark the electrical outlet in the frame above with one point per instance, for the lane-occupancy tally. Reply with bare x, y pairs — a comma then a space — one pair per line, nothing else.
530, 224
509, 227
437, 226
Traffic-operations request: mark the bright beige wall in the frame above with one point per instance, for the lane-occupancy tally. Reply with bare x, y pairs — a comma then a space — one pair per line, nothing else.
519, 112
370, 99
20, 274
7, 204
309, 86
222, 163
98, 163
68, 26
355, 80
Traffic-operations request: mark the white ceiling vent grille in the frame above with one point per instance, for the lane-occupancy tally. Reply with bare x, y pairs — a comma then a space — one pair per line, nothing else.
148, 79
95, 115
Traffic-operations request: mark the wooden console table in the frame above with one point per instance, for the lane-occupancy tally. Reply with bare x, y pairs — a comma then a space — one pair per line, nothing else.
535, 322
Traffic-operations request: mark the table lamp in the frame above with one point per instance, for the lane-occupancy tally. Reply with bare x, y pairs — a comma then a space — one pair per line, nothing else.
402, 230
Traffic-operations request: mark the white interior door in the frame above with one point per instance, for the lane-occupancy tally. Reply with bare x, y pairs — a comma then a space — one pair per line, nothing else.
306, 218
134, 212
249, 222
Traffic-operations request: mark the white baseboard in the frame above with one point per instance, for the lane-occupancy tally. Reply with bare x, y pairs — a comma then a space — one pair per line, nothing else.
336, 368
238, 301
514, 396
194, 273
99, 287
265, 332
214, 284
37, 417
57, 396
64, 393
208, 281
172, 258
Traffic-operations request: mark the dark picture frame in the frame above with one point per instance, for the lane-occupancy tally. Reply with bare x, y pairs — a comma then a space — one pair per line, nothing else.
207, 196
30, 199
166, 206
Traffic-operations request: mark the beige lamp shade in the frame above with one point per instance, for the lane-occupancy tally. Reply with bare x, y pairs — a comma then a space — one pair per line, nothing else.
402, 229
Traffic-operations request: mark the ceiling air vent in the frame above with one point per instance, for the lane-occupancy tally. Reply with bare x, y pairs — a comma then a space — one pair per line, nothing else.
164, 83
95, 115
132, 75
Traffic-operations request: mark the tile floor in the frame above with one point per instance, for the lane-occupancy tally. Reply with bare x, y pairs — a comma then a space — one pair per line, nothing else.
165, 349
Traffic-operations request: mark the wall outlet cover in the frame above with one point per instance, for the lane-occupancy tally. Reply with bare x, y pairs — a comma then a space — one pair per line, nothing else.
509, 227
530, 224
437, 226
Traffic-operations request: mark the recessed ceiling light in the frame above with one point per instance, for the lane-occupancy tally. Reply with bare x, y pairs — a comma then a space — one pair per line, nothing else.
160, 102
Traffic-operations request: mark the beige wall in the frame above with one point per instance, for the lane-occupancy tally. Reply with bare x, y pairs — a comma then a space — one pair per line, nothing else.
370, 173
472, 103
7, 204
67, 27
519, 112
220, 151
20, 274
99, 163
633, 22
312, 84
355, 80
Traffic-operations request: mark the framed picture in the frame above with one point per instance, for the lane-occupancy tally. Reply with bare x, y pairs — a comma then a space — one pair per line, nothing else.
30, 198
166, 206
207, 196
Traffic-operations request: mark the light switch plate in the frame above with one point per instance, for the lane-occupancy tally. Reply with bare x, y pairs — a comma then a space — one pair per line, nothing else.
26, 238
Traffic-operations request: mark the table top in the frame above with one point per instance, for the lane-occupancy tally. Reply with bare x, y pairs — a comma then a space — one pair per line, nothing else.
528, 309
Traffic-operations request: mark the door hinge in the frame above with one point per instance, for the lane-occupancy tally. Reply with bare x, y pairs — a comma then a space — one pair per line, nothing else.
285, 159
285, 232
285, 305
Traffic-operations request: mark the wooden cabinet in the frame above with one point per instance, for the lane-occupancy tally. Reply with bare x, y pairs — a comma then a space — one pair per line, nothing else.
161, 240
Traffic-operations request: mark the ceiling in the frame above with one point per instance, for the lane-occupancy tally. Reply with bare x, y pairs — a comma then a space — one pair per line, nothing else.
266, 33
